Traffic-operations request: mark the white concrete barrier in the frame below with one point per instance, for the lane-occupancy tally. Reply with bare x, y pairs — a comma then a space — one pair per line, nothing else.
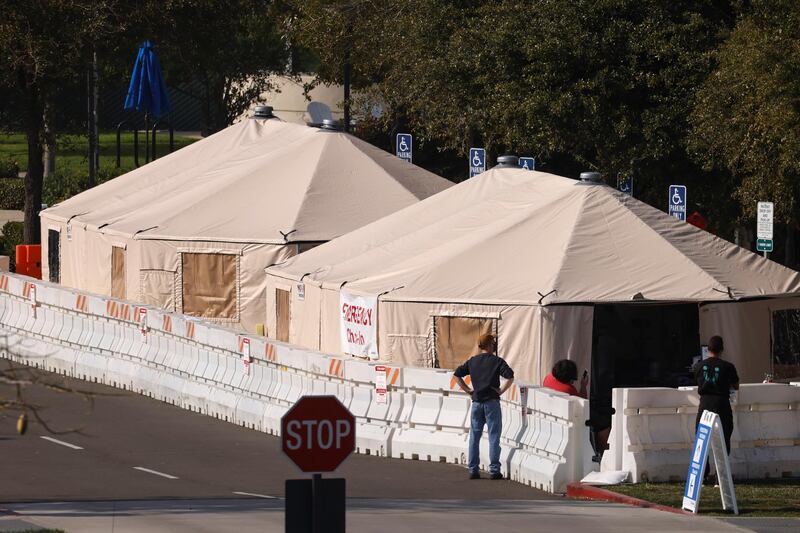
253, 381
654, 431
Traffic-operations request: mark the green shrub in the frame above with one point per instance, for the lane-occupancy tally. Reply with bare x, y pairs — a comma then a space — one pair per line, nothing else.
61, 185
12, 236
9, 168
12, 193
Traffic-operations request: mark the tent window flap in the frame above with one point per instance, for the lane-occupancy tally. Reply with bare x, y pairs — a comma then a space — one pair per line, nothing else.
209, 285
282, 314
118, 272
54, 255
456, 338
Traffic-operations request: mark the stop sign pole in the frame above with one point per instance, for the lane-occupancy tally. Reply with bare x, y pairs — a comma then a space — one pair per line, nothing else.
317, 434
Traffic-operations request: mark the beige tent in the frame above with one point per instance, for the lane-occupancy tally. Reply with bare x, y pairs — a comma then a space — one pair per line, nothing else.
194, 230
550, 264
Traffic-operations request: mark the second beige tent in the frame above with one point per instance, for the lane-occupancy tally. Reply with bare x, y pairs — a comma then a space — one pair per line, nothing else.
549, 264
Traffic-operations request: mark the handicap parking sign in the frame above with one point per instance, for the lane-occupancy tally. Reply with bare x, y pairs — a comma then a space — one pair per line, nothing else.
477, 161
677, 201
404, 146
528, 163
625, 184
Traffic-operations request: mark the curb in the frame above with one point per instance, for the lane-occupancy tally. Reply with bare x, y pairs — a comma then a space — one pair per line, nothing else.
589, 492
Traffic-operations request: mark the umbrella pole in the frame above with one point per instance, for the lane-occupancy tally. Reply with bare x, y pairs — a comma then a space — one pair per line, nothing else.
146, 138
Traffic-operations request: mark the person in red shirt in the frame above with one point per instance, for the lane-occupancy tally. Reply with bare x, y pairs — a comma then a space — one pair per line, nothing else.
562, 377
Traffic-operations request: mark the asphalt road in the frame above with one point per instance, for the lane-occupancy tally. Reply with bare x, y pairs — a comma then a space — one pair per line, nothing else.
117, 445
117, 461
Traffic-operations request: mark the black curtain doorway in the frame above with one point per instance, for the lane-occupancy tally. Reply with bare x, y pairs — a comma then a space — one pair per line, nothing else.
639, 345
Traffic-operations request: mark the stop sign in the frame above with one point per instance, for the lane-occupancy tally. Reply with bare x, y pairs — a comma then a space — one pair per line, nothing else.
318, 433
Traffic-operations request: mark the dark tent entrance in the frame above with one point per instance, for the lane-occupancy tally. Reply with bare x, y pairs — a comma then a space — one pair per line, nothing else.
640, 345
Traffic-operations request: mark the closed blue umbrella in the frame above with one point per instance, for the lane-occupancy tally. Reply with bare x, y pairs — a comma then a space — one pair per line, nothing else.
147, 91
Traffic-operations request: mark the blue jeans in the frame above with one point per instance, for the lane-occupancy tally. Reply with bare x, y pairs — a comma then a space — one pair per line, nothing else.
485, 413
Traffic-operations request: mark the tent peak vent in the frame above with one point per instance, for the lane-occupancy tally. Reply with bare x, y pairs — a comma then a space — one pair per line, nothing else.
507, 161
263, 111
591, 178
330, 125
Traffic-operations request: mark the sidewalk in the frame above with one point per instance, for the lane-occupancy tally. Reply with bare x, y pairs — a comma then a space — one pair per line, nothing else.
363, 515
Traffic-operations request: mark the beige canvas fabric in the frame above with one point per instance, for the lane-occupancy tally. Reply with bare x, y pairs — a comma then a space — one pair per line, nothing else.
118, 272
456, 338
511, 236
258, 190
746, 329
545, 246
209, 285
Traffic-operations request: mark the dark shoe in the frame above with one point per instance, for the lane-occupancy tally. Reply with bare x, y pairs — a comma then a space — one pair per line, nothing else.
497, 475
474, 475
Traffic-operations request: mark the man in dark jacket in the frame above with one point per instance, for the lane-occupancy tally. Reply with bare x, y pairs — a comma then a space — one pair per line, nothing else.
715, 379
485, 370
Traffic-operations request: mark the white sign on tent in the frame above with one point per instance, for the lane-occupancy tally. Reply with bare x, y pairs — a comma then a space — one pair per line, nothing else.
358, 319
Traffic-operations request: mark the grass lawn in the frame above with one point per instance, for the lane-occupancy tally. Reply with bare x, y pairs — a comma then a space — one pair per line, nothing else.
71, 151
776, 497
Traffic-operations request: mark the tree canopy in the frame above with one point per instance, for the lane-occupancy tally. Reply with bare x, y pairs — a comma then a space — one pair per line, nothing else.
693, 92
747, 119
582, 85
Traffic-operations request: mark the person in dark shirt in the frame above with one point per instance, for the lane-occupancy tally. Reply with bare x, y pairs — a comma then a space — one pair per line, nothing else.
715, 379
485, 370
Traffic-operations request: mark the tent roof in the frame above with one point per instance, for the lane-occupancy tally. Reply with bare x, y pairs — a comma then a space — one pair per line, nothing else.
519, 237
257, 181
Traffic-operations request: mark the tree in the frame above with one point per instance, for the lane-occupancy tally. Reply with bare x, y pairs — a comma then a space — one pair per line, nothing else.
747, 120
44, 43
582, 85
231, 47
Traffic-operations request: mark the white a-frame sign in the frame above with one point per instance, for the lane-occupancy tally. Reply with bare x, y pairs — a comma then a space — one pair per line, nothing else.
709, 434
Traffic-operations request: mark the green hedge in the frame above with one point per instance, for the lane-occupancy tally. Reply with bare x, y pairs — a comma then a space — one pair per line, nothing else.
9, 168
12, 193
56, 188
12, 236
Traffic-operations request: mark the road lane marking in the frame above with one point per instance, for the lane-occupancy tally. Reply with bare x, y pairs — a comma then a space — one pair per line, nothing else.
61, 442
156, 472
256, 495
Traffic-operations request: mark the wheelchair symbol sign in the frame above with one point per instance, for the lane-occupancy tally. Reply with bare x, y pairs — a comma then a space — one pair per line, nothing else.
405, 144
677, 201
625, 184
527, 163
477, 161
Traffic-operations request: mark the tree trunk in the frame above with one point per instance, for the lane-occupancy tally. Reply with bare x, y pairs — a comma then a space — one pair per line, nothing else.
205, 107
34, 124
94, 148
790, 249
49, 139
744, 237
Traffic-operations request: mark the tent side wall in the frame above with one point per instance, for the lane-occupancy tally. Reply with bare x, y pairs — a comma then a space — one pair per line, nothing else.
84, 256
153, 271
226, 270
297, 322
304, 327
530, 338
746, 328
